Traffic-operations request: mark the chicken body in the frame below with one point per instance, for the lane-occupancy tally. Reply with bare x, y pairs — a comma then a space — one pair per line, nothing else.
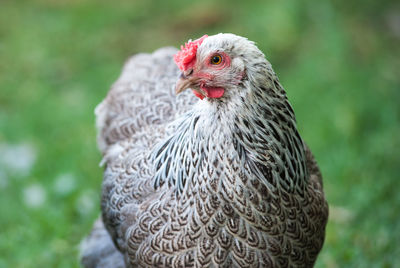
225, 181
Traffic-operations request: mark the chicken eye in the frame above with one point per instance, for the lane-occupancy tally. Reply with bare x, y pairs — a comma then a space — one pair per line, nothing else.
215, 60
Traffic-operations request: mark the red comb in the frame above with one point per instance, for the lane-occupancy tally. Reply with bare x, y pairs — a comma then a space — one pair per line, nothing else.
186, 56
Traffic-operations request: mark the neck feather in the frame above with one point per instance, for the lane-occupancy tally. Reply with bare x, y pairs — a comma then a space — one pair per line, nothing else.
253, 133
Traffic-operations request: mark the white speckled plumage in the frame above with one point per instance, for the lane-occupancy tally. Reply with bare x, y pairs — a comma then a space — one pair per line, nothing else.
224, 182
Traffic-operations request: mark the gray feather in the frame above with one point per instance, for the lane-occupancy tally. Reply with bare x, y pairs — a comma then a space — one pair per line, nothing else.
224, 182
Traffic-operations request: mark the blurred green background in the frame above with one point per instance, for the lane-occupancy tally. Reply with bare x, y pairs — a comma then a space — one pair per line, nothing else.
338, 60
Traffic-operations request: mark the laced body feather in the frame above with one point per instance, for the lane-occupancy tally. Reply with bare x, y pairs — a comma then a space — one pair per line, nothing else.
213, 183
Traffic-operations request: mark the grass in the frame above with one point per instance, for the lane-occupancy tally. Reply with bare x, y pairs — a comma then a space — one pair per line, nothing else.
338, 60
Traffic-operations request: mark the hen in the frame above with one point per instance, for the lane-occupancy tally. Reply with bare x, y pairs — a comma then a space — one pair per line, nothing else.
224, 180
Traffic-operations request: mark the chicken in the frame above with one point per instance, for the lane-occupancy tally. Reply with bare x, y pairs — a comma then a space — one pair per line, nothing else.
218, 178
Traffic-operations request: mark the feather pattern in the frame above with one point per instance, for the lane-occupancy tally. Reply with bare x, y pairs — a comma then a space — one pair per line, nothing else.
224, 182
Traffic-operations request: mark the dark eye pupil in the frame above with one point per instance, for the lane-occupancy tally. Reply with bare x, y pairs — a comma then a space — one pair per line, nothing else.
216, 59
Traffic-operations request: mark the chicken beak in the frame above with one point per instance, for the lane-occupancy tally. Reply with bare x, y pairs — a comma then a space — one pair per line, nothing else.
182, 84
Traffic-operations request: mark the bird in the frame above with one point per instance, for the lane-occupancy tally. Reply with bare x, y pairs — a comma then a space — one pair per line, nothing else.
204, 164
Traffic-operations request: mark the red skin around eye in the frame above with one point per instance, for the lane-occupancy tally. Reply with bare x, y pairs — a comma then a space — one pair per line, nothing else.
226, 61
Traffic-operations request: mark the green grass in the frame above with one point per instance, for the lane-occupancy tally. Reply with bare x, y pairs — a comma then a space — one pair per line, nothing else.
339, 62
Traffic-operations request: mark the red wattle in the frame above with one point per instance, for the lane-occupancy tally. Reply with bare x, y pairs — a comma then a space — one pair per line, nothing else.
198, 95
213, 92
